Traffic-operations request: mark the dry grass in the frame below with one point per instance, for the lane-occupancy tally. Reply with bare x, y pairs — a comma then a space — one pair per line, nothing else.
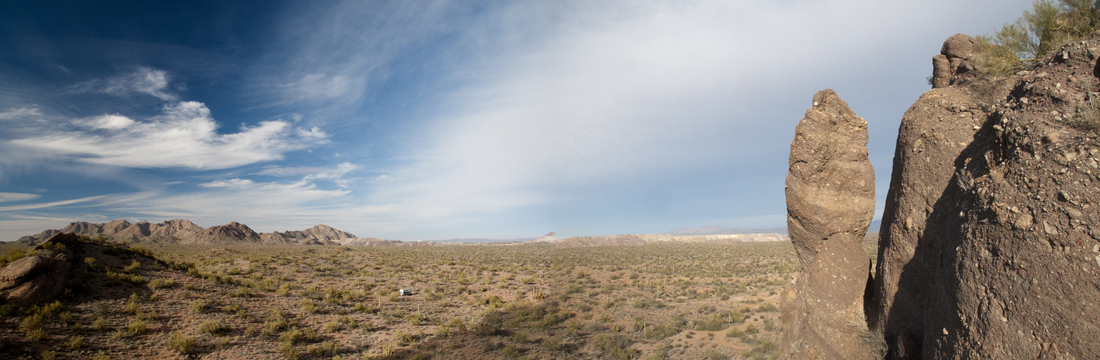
500, 301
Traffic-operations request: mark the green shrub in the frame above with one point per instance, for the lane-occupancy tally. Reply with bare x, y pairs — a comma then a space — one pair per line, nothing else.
614, 346
75, 343
12, 255
31, 322
198, 306
242, 292
99, 324
137, 327
134, 265
511, 351
212, 327
181, 343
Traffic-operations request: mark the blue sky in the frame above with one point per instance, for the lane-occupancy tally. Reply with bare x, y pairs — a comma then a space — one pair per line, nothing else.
443, 119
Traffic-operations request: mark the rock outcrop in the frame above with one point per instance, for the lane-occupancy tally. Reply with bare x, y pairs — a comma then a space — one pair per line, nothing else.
989, 247
933, 133
38, 278
830, 192
955, 62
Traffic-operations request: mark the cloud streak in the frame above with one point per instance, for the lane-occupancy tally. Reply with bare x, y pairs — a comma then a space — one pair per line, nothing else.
52, 204
184, 136
10, 197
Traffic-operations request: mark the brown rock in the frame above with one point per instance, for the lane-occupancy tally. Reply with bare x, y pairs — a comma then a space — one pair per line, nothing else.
40, 289
941, 71
830, 185
37, 279
22, 269
959, 46
830, 203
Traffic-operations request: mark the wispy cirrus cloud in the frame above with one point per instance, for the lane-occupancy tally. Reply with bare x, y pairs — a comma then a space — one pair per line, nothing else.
52, 203
184, 136
10, 197
313, 172
335, 174
20, 113
144, 80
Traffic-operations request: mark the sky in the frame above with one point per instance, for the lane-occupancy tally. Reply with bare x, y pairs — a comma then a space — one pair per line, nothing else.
421, 120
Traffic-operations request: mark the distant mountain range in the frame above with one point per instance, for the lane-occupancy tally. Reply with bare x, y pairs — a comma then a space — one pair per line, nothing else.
619, 240
718, 230
180, 231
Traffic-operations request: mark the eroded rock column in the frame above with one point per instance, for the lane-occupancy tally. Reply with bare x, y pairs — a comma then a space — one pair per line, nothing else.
830, 193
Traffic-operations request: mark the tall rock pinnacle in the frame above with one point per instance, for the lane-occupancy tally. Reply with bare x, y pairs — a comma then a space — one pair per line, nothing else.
830, 202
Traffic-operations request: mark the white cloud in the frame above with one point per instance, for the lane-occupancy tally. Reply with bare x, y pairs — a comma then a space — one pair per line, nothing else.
9, 197
20, 113
231, 183
52, 204
183, 136
112, 122
335, 173
144, 80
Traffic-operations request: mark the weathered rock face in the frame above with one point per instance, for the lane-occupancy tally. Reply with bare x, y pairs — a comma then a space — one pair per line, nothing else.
989, 246
830, 185
37, 279
830, 203
933, 134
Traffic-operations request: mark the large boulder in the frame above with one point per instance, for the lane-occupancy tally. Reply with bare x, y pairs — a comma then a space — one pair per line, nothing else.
830, 191
39, 278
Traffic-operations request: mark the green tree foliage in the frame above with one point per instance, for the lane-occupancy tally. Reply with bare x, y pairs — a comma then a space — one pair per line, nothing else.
1040, 30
